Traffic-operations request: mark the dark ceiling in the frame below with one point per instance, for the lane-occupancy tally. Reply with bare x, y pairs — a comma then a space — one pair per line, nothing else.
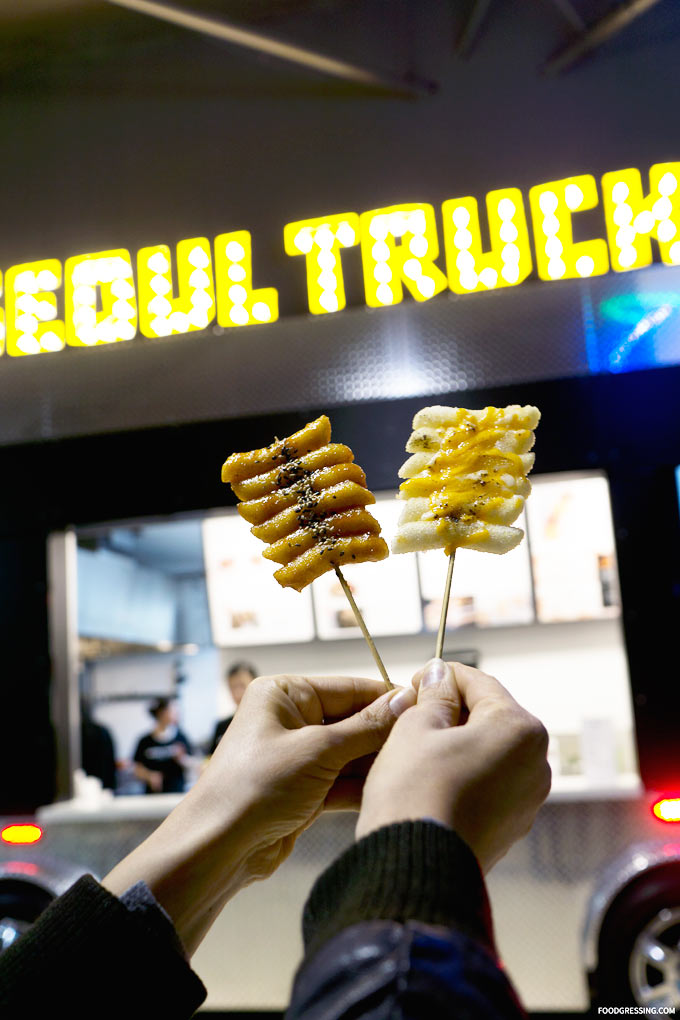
100, 48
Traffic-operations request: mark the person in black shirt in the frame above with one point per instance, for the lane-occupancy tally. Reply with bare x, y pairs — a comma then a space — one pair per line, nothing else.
239, 676
98, 756
161, 756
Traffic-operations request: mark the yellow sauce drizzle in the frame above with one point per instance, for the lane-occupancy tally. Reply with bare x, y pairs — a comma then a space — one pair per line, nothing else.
468, 448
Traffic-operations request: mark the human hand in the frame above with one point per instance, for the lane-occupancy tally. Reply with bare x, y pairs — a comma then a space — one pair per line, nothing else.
296, 745
155, 780
299, 745
485, 778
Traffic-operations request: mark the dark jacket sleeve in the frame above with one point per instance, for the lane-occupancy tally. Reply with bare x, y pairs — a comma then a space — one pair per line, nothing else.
400, 926
89, 955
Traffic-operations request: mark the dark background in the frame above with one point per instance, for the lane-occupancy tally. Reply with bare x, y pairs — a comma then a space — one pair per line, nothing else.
119, 131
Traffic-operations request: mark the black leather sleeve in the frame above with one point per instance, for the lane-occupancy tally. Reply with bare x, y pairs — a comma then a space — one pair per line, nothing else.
400, 926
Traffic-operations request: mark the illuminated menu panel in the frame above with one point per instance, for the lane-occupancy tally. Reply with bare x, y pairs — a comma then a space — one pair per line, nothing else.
386, 592
247, 606
487, 590
568, 546
572, 548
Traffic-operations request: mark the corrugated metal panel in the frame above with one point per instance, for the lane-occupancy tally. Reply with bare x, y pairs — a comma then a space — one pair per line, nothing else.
297, 363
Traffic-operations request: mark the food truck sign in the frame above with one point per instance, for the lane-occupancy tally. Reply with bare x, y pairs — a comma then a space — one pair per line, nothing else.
399, 247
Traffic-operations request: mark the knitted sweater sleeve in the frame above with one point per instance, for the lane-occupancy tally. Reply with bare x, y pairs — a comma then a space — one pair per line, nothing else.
400, 926
91, 954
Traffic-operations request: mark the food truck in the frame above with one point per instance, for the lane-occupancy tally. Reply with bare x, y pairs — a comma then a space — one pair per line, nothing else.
140, 350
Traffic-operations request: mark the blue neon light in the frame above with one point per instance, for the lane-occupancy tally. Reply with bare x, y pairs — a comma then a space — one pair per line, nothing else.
633, 328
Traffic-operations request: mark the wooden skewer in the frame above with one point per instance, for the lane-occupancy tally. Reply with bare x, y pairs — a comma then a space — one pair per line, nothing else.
445, 608
364, 629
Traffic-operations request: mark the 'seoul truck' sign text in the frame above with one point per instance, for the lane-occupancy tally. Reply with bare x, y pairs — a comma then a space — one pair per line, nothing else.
399, 249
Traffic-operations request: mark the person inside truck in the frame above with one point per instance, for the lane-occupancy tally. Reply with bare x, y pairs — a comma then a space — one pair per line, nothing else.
399, 924
161, 756
239, 675
98, 755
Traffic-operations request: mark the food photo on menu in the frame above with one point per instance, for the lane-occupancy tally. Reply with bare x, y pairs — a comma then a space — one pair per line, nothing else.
572, 549
245, 607
373, 586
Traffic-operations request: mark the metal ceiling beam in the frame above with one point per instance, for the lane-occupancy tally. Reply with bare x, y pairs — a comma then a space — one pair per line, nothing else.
569, 12
598, 33
472, 27
228, 31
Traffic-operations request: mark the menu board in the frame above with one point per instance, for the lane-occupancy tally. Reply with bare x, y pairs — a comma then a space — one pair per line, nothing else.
572, 548
487, 590
568, 547
386, 592
247, 606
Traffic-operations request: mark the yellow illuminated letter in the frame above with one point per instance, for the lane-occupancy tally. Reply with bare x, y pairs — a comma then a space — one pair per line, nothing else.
389, 266
552, 205
509, 261
161, 314
2, 322
237, 303
32, 324
633, 219
108, 273
320, 240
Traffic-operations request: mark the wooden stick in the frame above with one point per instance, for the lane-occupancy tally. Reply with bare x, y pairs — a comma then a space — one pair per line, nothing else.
364, 629
445, 608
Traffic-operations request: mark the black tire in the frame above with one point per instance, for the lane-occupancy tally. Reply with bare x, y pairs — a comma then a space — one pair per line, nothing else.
21, 903
635, 908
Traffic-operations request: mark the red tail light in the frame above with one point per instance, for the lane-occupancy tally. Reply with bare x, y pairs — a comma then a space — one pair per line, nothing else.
21, 834
22, 868
667, 809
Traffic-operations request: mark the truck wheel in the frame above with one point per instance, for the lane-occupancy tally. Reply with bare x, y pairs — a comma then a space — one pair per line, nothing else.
27, 887
20, 904
639, 946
